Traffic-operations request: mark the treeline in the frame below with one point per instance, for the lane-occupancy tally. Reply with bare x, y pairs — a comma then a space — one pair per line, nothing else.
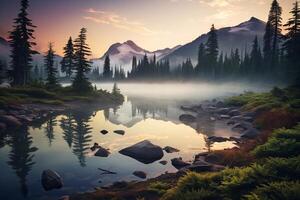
21, 41
276, 60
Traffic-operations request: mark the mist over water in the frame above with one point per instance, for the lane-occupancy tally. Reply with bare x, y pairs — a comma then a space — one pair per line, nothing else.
150, 111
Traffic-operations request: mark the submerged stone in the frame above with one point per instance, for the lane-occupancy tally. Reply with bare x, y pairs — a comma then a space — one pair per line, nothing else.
51, 180
140, 174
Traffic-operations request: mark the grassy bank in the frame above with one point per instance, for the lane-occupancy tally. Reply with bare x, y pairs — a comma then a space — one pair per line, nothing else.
267, 167
58, 96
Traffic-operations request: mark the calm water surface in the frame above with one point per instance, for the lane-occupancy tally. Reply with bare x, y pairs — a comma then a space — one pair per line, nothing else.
62, 143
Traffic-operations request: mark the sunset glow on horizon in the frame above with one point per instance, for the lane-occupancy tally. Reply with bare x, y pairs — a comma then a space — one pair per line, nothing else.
151, 24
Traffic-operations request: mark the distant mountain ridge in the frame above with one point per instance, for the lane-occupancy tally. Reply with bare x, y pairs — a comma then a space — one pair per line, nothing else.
240, 37
121, 54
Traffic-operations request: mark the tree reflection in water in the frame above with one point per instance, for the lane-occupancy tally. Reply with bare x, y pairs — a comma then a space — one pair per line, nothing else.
21, 156
49, 129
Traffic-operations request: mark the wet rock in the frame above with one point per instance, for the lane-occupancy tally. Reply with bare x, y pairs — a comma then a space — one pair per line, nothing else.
224, 116
212, 118
237, 140
242, 126
237, 118
169, 149
2, 127
163, 162
213, 158
191, 109
222, 111
178, 163
217, 139
120, 132
144, 151
220, 104
51, 180
102, 152
250, 134
231, 122
140, 174
24, 118
186, 118
198, 168
10, 120
120, 184
96, 146
234, 112
2, 112
104, 132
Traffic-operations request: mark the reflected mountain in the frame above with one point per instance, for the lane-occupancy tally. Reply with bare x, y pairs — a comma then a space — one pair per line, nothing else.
136, 109
21, 156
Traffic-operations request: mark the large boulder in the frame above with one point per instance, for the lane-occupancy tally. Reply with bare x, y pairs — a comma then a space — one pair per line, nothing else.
178, 163
144, 151
169, 149
140, 174
104, 132
186, 118
10, 120
51, 180
242, 126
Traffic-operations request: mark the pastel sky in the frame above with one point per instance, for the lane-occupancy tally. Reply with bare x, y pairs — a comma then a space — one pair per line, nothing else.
152, 24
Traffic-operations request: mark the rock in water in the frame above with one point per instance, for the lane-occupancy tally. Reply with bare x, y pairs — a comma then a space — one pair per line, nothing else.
178, 163
140, 174
169, 149
144, 151
186, 118
104, 132
250, 134
51, 180
120, 132
10, 120
102, 152
96, 146
163, 162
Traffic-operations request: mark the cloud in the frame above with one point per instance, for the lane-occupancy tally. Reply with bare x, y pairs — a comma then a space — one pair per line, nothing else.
117, 21
219, 3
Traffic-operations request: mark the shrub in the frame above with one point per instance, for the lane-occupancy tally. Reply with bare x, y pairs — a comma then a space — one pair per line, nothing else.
159, 187
276, 190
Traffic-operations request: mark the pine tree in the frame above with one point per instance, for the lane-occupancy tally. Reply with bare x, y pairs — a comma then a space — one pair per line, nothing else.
272, 36
51, 81
106, 68
255, 58
292, 42
21, 46
67, 63
82, 65
201, 59
212, 51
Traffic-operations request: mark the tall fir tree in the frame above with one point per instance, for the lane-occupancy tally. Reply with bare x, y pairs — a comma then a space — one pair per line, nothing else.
212, 52
82, 65
201, 59
51, 81
21, 46
272, 37
292, 43
255, 58
67, 63
106, 69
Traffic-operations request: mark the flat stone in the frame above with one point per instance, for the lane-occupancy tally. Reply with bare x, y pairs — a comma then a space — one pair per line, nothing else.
163, 162
120, 132
102, 152
10, 120
217, 139
140, 174
186, 118
222, 111
250, 134
169, 149
224, 116
104, 132
51, 180
234, 112
144, 152
178, 163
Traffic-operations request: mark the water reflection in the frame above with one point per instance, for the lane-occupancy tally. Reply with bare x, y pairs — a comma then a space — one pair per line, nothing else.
21, 156
49, 129
81, 136
67, 124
